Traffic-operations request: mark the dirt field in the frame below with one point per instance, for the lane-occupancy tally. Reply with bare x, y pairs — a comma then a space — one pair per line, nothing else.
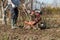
6, 33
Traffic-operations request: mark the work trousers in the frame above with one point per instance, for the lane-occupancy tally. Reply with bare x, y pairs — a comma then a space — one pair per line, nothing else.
14, 16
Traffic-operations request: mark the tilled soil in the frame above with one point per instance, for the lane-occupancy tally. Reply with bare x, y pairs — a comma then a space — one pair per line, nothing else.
6, 33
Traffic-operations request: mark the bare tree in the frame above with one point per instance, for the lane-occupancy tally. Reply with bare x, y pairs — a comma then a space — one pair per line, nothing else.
3, 13
55, 3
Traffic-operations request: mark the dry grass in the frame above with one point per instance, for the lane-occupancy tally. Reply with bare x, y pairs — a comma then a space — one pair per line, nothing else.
6, 33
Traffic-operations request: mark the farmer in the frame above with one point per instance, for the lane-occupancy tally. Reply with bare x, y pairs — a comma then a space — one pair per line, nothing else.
13, 6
